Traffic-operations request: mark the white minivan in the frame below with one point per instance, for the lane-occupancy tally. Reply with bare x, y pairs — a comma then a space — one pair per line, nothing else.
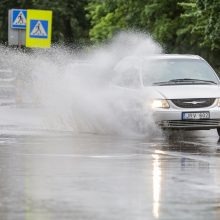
186, 90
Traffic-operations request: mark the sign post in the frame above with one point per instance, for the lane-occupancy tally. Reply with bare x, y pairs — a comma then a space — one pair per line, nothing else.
16, 26
39, 28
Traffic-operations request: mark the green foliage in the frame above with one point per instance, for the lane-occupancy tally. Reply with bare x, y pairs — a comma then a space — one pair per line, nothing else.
181, 26
109, 16
159, 18
200, 28
69, 19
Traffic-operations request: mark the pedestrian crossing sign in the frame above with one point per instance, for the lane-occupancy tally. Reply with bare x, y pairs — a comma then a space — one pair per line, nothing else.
18, 18
39, 28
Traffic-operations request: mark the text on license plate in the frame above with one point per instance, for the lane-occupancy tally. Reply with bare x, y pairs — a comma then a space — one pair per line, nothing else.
195, 115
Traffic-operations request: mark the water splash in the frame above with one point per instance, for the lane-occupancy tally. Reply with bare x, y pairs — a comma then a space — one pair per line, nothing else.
76, 91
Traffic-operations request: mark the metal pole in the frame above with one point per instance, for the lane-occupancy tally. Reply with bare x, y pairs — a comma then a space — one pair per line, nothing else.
19, 38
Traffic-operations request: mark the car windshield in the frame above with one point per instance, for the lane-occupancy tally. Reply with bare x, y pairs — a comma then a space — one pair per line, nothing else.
177, 71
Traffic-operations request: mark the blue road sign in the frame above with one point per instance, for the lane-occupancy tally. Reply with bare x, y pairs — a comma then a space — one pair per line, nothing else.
39, 29
18, 18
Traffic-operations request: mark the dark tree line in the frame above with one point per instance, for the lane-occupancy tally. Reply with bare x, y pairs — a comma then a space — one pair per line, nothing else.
180, 26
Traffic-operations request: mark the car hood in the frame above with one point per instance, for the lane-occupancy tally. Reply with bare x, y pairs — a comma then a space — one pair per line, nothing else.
186, 91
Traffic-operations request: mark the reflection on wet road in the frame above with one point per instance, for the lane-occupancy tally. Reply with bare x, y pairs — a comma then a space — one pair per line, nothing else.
61, 176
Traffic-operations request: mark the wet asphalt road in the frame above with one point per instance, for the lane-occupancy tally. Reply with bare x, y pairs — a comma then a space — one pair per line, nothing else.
56, 176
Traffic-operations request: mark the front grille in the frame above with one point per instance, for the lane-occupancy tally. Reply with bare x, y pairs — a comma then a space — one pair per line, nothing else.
193, 103
205, 123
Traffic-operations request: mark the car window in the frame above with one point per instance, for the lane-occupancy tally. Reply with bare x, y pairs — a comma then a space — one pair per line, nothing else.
170, 69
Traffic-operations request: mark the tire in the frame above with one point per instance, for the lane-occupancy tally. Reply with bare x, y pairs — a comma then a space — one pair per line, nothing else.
218, 130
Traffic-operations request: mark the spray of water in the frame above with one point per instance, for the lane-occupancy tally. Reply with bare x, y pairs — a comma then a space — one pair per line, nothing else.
86, 91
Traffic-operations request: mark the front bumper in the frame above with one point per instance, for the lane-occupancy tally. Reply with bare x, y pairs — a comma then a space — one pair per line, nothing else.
190, 124
172, 118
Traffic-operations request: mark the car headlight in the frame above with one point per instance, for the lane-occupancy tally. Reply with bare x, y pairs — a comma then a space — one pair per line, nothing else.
218, 103
160, 103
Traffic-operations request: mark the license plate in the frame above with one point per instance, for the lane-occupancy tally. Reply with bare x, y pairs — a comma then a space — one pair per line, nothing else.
195, 115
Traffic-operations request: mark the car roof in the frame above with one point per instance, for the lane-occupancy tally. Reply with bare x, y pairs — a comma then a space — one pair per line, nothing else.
174, 56
132, 61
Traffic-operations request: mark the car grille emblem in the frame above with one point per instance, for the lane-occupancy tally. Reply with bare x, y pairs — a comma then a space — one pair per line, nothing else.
195, 102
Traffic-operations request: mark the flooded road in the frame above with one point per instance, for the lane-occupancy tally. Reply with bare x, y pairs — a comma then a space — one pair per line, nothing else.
58, 175
60, 157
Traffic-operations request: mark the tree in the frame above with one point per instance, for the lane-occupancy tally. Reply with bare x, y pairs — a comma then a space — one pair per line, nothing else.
180, 26
159, 18
201, 28
69, 19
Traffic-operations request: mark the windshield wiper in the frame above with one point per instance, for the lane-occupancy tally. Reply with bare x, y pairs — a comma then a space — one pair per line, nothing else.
192, 80
164, 83
185, 80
